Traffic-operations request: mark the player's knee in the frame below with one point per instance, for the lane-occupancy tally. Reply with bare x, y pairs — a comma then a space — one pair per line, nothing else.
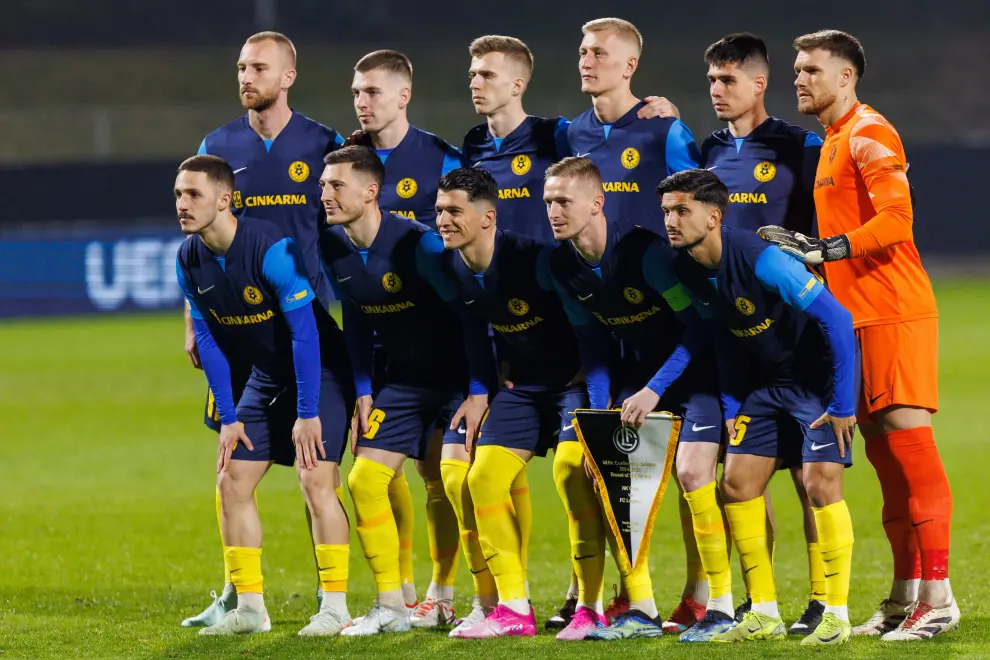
233, 490
364, 487
692, 476
429, 469
736, 488
479, 481
318, 487
823, 483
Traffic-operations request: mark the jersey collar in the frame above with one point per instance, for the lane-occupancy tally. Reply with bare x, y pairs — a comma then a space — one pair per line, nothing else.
843, 120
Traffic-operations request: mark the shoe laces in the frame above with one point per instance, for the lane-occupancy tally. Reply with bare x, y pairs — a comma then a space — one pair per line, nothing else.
425, 607
920, 610
683, 610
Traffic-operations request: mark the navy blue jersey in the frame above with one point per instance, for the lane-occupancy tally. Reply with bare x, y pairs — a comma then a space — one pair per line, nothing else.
279, 180
634, 155
244, 295
516, 296
412, 170
766, 300
770, 175
518, 162
389, 288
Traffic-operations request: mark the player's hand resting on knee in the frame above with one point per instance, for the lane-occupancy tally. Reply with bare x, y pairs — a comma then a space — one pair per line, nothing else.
638, 406
844, 428
359, 422
307, 436
230, 435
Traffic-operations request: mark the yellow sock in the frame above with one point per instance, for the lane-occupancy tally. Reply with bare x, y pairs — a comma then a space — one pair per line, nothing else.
835, 540
694, 568
771, 532
455, 475
816, 572
441, 527
332, 561
244, 567
226, 571
584, 518
523, 507
748, 525
340, 494
400, 498
710, 534
490, 480
636, 585
376, 530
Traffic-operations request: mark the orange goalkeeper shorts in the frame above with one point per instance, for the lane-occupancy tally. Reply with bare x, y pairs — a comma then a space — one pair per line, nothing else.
900, 365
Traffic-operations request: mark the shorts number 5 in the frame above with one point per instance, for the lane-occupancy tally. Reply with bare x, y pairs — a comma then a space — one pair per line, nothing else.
741, 424
375, 420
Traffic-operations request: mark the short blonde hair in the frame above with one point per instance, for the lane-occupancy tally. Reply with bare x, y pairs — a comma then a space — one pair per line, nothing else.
620, 26
575, 167
283, 42
512, 48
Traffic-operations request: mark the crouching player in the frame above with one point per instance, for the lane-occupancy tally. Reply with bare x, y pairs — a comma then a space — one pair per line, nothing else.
250, 299
504, 279
787, 352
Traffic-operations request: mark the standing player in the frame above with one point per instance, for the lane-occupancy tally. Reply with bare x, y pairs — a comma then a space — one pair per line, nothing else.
273, 151
249, 296
787, 352
414, 160
768, 167
623, 280
380, 263
504, 279
632, 154
865, 214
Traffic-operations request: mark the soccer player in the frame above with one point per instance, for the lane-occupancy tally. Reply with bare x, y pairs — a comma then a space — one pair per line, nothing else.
504, 279
632, 154
768, 167
865, 214
787, 352
379, 263
273, 151
249, 296
414, 160
623, 280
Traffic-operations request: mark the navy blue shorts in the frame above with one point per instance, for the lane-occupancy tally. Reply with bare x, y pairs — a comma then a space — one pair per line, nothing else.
211, 416
533, 418
268, 412
700, 412
765, 426
404, 416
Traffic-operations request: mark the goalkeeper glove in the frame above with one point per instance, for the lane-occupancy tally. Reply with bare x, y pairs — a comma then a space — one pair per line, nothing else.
809, 250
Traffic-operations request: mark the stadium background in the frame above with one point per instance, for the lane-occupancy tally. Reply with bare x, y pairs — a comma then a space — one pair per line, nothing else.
106, 524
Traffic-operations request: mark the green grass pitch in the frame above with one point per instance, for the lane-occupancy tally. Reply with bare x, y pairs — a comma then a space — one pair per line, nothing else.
108, 536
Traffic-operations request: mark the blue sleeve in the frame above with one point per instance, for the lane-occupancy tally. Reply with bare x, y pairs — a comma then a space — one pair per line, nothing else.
682, 152
338, 139
563, 145
180, 277
595, 345
787, 277
452, 161
837, 323
285, 270
477, 343
202, 148
217, 371
809, 166
305, 359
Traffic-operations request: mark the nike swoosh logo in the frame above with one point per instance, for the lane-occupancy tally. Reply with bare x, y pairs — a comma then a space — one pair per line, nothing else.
829, 639
344, 279
711, 168
202, 291
567, 428
462, 431
240, 169
874, 399
696, 428
468, 302
816, 447
584, 557
828, 575
749, 569
583, 298
584, 155
918, 524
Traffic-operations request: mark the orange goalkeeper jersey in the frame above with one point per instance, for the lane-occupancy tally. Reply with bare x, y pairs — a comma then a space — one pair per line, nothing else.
861, 190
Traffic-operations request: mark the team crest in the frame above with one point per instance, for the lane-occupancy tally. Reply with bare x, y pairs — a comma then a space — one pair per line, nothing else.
630, 158
745, 306
635, 296
521, 164
518, 307
831, 154
392, 282
238, 202
253, 295
406, 188
625, 439
765, 171
298, 171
